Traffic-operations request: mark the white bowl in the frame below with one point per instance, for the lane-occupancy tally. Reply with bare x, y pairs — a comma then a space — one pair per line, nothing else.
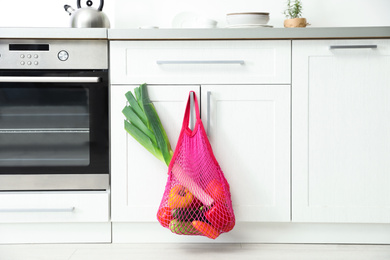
247, 18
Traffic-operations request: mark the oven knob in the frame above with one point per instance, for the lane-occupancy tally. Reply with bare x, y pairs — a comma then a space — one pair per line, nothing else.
63, 55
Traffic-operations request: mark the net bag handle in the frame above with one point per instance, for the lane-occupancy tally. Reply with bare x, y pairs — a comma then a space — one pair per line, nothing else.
187, 113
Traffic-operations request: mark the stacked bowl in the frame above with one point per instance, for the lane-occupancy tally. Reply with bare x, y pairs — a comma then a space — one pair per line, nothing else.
247, 20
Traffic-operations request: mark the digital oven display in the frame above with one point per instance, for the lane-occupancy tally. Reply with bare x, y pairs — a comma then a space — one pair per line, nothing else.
29, 47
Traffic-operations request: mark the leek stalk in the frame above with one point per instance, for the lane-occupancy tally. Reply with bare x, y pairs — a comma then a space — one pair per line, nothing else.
144, 125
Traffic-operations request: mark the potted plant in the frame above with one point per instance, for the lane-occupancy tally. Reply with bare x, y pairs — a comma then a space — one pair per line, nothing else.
293, 14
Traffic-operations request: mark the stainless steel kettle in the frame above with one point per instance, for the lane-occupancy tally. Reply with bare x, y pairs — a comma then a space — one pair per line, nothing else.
88, 17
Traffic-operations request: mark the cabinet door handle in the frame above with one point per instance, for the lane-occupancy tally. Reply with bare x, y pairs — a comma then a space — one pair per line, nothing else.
192, 110
167, 62
37, 210
208, 112
334, 47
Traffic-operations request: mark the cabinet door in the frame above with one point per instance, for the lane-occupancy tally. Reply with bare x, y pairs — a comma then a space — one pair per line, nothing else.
137, 178
249, 130
341, 131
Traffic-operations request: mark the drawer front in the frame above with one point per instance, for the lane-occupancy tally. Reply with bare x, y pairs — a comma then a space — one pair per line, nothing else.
27, 207
200, 62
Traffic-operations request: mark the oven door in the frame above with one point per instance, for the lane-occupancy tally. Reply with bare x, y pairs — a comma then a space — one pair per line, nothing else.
54, 130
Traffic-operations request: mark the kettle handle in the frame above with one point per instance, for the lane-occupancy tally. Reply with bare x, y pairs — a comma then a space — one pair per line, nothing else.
100, 6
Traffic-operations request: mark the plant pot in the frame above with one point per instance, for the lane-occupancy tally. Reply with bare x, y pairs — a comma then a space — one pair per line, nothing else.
295, 22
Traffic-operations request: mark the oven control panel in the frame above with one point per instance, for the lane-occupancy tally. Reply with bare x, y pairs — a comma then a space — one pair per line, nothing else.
29, 59
53, 54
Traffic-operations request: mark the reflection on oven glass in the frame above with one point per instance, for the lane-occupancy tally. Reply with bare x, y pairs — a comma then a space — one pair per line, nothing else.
44, 127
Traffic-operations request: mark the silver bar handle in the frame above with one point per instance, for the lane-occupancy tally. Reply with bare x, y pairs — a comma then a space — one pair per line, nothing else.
208, 112
23, 79
369, 46
37, 210
45, 130
192, 110
167, 62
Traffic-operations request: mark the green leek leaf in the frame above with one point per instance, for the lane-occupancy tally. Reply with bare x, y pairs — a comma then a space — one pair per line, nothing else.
137, 92
144, 140
136, 108
155, 123
145, 126
133, 118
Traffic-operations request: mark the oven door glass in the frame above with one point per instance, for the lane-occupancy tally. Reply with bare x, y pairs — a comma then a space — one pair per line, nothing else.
58, 126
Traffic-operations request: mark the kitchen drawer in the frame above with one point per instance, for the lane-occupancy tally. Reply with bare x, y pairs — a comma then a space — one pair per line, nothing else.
200, 62
30, 207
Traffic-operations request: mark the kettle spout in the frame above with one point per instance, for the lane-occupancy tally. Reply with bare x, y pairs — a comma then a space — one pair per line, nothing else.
69, 9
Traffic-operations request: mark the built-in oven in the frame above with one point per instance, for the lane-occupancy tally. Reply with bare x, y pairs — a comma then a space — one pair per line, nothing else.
54, 115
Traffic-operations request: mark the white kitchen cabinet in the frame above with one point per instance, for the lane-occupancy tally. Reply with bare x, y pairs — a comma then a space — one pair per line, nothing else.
249, 123
341, 131
138, 178
249, 130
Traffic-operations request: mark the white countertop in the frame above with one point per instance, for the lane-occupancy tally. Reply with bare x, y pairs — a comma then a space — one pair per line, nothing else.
197, 34
251, 33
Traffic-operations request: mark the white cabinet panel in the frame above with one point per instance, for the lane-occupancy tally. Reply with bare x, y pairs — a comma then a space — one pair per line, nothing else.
48, 207
341, 131
200, 62
249, 130
138, 178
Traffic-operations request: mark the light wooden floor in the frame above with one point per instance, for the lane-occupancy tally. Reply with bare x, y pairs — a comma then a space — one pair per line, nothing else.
194, 252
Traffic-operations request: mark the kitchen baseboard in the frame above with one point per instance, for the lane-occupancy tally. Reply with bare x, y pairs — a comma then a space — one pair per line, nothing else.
27, 233
260, 233
146, 233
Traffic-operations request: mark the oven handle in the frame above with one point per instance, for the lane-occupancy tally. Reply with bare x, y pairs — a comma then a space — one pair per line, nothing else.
22, 79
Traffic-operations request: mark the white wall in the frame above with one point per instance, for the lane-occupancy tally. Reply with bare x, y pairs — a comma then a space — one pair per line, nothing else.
320, 13
135, 13
43, 13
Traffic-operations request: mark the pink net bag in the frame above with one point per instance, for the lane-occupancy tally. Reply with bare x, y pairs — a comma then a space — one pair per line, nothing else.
196, 199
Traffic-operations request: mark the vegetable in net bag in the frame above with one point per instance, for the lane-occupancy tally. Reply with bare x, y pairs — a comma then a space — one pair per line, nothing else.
197, 197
